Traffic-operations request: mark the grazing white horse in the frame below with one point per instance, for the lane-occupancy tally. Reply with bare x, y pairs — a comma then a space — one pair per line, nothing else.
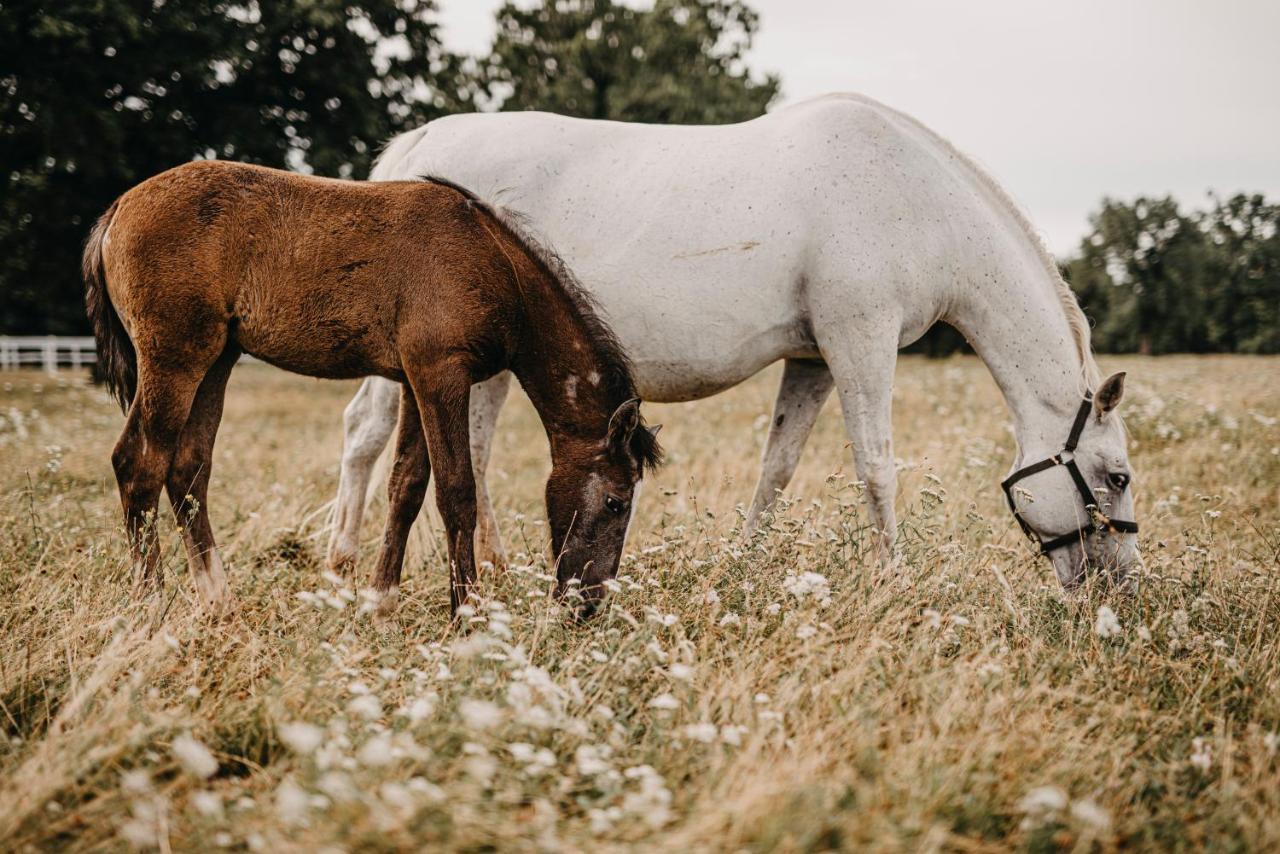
828, 234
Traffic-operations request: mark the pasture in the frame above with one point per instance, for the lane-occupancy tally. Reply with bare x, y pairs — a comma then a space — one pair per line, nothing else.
782, 693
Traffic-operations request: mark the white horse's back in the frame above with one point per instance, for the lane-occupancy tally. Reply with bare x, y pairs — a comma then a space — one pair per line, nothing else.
704, 243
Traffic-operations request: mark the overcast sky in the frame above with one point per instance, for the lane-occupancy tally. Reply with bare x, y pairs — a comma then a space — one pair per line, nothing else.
1064, 102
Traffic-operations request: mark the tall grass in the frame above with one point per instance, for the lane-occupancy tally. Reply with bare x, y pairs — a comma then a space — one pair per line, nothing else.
777, 693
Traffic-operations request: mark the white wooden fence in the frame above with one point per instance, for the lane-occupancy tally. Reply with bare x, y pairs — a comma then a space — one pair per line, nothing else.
50, 352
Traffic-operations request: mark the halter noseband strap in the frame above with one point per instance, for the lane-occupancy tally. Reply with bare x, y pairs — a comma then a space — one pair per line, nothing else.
1066, 457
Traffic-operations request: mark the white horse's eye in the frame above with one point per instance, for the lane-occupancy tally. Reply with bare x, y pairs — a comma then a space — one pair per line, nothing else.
1119, 480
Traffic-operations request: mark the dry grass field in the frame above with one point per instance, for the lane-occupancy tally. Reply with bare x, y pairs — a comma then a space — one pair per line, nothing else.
776, 694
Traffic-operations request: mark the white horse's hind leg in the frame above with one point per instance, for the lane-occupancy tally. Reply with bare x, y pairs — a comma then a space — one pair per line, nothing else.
804, 388
369, 420
863, 368
486, 402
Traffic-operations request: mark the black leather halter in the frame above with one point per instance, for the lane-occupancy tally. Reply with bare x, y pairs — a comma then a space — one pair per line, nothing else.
1099, 521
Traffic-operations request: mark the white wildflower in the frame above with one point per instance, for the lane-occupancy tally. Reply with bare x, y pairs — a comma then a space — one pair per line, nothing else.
480, 714
731, 734
291, 802
194, 756
652, 801
207, 803
1091, 815
139, 833
664, 701
808, 585
419, 709
300, 737
376, 752
1107, 624
366, 706
1041, 805
137, 781
338, 786
396, 795
1201, 754
806, 631
592, 759
731, 618
682, 672
703, 732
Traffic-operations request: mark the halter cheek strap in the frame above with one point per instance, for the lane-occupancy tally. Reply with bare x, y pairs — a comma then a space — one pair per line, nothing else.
1066, 457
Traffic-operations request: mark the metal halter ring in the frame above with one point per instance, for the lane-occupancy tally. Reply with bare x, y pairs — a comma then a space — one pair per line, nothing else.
1066, 457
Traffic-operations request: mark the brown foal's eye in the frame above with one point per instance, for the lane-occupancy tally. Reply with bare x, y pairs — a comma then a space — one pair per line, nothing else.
616, 505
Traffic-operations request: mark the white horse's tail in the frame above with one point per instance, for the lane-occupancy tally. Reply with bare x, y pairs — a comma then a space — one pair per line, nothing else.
394, 153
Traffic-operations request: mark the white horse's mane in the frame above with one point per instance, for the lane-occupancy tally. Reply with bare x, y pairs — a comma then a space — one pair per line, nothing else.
1076, 321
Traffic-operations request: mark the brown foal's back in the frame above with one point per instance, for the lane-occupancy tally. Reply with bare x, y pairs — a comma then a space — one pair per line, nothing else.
326, 278
414, 281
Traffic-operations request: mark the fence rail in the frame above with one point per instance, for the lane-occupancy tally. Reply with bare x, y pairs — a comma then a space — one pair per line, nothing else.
53, 352
50, 352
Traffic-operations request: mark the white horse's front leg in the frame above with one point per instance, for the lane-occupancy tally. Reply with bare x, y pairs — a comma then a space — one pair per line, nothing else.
369, 420
486, 402
805, 386
864, 380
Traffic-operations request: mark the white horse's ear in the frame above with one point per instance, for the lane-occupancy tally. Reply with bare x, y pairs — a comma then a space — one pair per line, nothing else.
1109, 394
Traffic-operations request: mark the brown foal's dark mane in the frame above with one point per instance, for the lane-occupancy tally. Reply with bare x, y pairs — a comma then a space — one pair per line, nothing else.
615, 366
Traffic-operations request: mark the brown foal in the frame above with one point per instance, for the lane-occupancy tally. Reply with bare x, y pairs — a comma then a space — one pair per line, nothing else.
419, 282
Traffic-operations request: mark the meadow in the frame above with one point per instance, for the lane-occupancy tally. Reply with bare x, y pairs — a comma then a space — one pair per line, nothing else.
778, 693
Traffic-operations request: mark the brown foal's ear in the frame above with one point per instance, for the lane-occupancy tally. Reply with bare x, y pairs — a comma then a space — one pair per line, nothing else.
623, 423
1109, 394
655, 430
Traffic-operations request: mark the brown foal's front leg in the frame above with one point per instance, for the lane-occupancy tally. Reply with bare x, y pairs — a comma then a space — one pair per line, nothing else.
444, 403
406, 490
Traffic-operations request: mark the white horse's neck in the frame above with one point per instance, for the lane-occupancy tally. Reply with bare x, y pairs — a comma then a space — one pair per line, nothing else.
1016, 322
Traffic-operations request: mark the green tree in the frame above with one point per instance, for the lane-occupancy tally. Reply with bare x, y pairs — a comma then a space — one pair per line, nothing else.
1242, 281
97, 95
1140, 277
683, 61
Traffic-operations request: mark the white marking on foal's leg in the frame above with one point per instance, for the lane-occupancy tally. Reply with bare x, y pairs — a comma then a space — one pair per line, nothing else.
208, 577
388, 602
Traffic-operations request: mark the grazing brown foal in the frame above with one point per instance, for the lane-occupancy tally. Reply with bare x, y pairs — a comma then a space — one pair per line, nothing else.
419, 282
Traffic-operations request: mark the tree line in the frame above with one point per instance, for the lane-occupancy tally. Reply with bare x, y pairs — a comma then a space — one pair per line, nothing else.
97, 95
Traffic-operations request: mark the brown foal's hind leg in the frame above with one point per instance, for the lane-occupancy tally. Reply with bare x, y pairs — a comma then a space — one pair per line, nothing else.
406, 490
188, 485
144, 454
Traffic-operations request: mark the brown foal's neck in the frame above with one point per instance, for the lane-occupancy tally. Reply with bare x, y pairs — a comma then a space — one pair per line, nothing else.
567, 359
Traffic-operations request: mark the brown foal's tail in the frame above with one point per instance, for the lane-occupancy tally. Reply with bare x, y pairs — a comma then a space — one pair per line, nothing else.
117, 360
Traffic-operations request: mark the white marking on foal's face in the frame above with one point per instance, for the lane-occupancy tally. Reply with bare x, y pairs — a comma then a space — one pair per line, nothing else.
571, 388
594, 378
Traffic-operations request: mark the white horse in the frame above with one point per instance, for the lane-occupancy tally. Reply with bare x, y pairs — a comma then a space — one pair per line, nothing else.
828, 234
